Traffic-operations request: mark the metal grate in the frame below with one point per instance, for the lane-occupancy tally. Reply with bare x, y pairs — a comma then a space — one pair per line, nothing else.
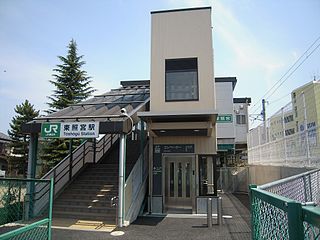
27, 203
269, 221
287, 209
302, 188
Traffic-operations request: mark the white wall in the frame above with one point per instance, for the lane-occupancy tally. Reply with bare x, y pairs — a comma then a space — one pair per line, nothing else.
224, 104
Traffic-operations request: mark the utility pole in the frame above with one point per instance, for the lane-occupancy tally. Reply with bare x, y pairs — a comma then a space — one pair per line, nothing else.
263, 113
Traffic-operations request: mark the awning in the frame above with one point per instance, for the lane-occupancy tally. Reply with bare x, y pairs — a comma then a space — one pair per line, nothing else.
106, 108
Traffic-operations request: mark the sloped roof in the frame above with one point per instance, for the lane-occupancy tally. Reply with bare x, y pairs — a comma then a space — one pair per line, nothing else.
105, 108
130, 96
4, 137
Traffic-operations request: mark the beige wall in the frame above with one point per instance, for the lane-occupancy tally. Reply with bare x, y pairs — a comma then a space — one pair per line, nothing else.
182, 34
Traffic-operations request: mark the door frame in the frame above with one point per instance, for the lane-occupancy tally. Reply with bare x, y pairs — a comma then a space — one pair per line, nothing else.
193, 178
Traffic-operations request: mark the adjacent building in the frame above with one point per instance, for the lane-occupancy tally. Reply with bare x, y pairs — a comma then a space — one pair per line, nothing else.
232, 123
292, 132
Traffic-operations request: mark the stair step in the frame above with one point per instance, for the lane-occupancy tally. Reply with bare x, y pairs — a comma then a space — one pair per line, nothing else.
92, 181
92, 185
87, 209
105, 178
86, 216
91, 191
86, 196
103, 201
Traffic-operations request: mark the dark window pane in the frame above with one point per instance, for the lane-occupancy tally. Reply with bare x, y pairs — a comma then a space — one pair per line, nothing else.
188, 174
179, 179
171, 179
181, 79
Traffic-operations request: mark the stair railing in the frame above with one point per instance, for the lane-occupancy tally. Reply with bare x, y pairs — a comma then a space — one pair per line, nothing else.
66, 170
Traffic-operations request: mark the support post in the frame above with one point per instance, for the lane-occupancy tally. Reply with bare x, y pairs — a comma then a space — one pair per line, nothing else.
51, 193
264, 120
142, 141
70, 158
150, 174
122, 164
32, 167
219, 210
252, 209
305, 123
94, 150
209, 212
295, 224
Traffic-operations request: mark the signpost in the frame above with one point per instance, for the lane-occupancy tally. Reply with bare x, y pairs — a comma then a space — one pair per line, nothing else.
224, 118
70, 130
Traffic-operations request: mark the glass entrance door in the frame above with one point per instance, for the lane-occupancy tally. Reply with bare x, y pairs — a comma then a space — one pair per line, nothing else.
178, 183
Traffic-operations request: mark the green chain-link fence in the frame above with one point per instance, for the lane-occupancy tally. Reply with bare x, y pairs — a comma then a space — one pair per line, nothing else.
277, 213
25, 208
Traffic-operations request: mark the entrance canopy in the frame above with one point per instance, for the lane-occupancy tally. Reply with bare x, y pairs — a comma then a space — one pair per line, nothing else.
180, 123
133, 96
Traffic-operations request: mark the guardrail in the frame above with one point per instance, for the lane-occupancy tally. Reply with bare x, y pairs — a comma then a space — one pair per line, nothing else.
18, 208
279, 209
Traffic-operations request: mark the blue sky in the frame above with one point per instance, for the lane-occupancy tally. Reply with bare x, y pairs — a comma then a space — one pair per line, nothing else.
256, 41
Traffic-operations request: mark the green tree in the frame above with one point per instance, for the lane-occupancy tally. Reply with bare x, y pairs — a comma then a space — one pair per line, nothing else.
18, 159
72, 85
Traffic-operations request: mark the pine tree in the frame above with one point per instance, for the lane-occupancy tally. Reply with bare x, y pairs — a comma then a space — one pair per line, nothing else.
72, 85
18, 159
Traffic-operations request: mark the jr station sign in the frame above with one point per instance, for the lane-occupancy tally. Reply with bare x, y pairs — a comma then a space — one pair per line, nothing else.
70, 130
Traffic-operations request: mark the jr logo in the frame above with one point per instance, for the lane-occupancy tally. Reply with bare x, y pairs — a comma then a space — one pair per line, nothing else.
50, 130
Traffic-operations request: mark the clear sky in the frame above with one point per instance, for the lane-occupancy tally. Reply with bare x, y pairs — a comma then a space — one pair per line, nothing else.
256, 41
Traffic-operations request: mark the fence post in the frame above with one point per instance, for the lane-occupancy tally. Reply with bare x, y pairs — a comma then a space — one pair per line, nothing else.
251, 186
70, 158
295, 223
94, 150
50, 207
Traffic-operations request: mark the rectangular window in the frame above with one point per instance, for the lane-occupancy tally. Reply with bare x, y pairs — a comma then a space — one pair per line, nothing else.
182, 79
296, 111
241, 119
289, 131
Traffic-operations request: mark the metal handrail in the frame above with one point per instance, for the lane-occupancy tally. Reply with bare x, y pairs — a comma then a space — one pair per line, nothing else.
288, 179
84, 149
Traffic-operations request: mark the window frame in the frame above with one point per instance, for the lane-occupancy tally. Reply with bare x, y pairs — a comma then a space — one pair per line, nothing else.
182, 70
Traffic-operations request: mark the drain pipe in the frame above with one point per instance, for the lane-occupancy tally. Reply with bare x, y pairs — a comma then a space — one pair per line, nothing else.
122, 162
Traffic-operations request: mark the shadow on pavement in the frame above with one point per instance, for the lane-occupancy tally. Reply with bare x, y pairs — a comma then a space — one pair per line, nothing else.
148, 221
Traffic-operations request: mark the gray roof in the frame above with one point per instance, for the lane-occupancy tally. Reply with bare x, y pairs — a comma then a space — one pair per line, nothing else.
4, 137
104, 107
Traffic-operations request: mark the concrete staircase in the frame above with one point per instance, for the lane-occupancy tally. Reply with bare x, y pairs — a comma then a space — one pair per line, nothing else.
89, 196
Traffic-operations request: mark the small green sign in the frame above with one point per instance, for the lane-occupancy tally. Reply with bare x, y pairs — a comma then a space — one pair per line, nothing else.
50, 130
224, 118
225, 146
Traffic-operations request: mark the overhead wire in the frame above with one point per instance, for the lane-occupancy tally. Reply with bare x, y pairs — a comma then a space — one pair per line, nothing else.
284, 75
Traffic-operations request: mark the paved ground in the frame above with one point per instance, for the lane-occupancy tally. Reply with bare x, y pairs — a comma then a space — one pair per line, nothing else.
162, 228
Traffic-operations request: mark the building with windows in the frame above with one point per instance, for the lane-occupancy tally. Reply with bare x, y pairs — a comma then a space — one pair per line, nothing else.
182, 115
293, 131
232, 123
4, 151
163, 136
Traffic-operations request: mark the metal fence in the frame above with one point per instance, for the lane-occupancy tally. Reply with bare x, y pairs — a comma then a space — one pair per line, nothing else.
290, 137
287, 209
21, 215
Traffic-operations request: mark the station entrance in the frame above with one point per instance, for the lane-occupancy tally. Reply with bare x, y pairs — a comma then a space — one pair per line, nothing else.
179, 182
